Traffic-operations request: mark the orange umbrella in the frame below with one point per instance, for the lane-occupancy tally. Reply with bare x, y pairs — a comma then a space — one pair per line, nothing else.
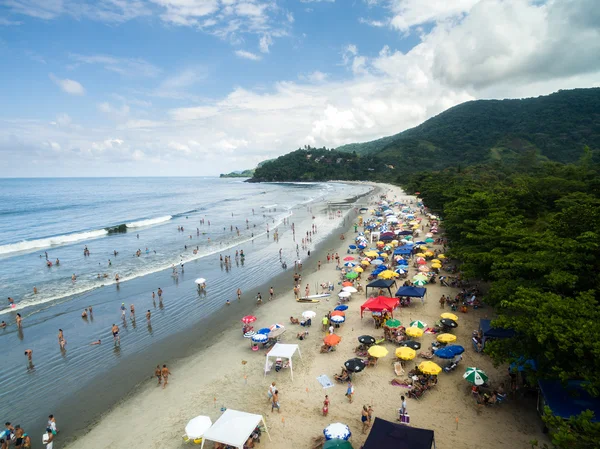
347, 284
338, 313
332, 340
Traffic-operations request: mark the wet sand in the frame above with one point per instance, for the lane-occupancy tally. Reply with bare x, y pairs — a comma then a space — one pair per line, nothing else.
215, 376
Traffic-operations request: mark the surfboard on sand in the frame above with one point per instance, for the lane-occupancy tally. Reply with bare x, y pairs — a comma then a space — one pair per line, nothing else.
313, 298
308, 300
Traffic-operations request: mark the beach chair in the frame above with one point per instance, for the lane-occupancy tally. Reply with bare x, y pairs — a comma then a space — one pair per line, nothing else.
398, 369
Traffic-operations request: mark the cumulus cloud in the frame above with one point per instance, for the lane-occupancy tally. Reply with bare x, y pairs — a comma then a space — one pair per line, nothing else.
265, 42
69, 86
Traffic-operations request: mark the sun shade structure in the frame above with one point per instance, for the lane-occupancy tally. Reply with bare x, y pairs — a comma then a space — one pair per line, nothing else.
411, 292
379, 304
567, 400
285, 352
234, 428
388, 435
381, 283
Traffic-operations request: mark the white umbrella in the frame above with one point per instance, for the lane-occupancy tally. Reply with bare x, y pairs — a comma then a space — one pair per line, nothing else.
309, 314
337, 319
197, 426
344, 294
337, 431
200, 281
349, 289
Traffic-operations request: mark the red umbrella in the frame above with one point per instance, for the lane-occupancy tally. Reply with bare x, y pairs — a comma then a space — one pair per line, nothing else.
348, 258
248, 319
338, 313
347, 284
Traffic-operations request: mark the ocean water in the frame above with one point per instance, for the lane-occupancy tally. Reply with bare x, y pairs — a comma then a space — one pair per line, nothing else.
61, 217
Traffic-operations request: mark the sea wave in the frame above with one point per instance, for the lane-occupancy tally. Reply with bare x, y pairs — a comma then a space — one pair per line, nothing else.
48, 242
148, 222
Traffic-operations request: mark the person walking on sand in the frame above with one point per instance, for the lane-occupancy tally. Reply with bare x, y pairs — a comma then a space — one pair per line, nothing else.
350, 391
365, 419
158, 374
271, 293
296, 291
115, 332
258, 298
326, 405
165, 375
325, 322
307, 291
275, 402
271, 391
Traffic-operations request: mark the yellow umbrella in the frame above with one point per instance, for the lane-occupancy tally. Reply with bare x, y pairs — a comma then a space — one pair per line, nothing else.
436, 265
435, 261
371, 254
428, 253
384, 255
414, 332
387, 274
378, 351
446, 338
358, 269
430, 368
365, 262
420, 254
394, 242
441, 256
380, 243
423, 247
360, 216
405, 353
450, 316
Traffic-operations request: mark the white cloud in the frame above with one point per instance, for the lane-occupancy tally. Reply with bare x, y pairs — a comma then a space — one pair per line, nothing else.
247, 55
373, 23
63, 120
7, 22
67, 85
114, 111
186, 12
265, 42
315, 77
124, 66
99, 10
290, 17
408, 13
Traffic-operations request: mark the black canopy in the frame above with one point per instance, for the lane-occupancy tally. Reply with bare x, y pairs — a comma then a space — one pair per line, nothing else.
413, 292
381, 283
388, 435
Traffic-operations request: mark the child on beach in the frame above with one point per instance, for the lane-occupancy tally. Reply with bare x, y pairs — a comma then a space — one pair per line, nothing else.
326, 405
350, 391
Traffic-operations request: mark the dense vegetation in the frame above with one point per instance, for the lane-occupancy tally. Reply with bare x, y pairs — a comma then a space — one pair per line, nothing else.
554, 127
533, 232
321, 164
238, 174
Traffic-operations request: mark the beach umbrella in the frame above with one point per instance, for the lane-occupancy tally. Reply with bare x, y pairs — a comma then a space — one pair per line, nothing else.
355, 365
376, 262
264, 330
441, 256
336, 443
455, 349
332, 340
400, 271
260, 338
377, 351
435, 261
436, 265
309, 314
358, 269
414, 332
341, 307
371, 253
350, 264
338, 313
429, 234
447, 322
384, 255
393, 323
344, 294
276, 331
475, 376
366, 340
346, 284
411, 344
196, 427
249, 334
365, 262
430, 368
337, 431
429, 240
349, 289
405, 353
200, 281
420, 255
443, 353
338, 319
429, 253
352, 247
347, 258
420, 283
418, 323
421, 261
446, 338
449, 315
420, 277
351, 275
423, 268
276, 326
248, 319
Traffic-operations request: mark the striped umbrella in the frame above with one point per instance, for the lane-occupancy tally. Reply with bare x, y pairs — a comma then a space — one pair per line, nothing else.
248, 319
259, 338
418, 323
337, 319
337, 431
475, 376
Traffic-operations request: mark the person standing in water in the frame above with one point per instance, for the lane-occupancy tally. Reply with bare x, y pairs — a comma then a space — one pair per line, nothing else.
239, 294
148, 316
165, 375
115, 332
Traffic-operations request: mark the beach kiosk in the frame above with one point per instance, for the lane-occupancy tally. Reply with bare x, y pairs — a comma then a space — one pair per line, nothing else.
388, 435
234, 428
283, 351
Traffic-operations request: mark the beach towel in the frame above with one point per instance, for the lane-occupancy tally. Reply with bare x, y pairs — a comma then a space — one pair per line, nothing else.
430, 330
325, 381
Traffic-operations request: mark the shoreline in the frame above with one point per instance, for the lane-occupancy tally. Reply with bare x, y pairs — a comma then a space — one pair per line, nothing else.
215, 377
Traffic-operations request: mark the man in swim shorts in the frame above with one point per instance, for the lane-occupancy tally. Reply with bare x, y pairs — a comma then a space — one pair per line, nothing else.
115, 332
165, 375
158, 374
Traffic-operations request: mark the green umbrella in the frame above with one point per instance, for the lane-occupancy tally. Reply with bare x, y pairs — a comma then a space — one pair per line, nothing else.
418, 323
336, 443
475, 376
420, 283
429, 240
420, 277
393, 323
351, 275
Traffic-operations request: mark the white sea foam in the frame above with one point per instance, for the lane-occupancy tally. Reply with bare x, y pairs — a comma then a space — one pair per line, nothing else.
149, 222
32, 245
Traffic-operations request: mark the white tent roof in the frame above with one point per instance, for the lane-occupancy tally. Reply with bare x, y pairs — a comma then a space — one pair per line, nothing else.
282, 350
233, 428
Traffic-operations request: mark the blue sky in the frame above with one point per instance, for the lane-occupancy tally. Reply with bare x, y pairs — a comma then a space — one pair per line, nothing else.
200, 87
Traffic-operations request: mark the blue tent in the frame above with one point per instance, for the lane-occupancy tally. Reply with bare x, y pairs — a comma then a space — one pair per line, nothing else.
388, 435
411, 292
494, 332
567, 400
402, 251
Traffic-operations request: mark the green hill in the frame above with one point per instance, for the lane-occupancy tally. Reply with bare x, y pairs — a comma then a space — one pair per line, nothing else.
555, 127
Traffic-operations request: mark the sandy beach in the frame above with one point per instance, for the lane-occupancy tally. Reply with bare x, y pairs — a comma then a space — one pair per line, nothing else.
217, 377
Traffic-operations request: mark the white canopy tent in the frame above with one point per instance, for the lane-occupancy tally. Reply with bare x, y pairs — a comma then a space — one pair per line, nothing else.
233, 428
285, 352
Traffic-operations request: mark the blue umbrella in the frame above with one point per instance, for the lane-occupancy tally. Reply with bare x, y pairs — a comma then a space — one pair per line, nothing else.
350, 264
449, 352
421, 242
342, 307
337, 431
456, 349
259, 338
352, 246
362, 246
264, 330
